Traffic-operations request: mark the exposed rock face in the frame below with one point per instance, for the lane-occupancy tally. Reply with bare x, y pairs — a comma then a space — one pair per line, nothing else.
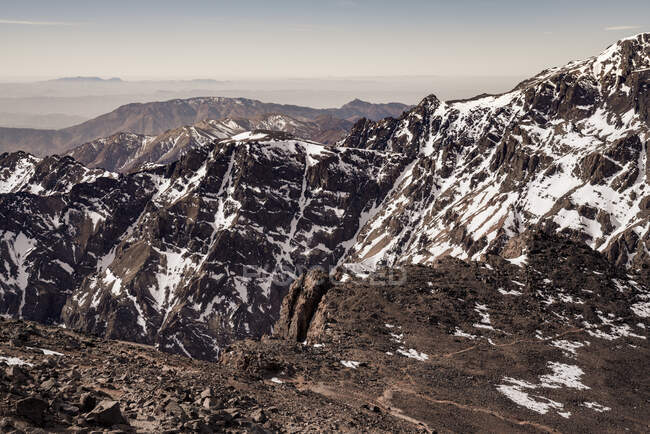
107, 413
299, 305
22, 172
155, 118
567, 149
32, 409
112, 153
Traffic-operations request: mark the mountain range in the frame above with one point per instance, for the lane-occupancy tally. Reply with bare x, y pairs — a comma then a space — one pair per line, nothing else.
123, 152
488, 255
565, 151
155, 118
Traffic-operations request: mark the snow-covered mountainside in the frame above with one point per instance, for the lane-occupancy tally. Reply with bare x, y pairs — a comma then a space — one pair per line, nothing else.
567, 149
195, 253
126, 152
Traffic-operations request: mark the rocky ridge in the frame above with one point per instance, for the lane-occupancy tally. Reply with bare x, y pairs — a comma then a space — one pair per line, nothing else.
149, 256
155, 118
128, 152
567, 149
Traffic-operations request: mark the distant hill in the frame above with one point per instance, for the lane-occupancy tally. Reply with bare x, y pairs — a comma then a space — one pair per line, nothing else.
93, 79
157, 117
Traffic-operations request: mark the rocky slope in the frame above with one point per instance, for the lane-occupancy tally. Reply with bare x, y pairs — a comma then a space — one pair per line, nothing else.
567, 149
125, 152
157, 117
53, 380
557, 345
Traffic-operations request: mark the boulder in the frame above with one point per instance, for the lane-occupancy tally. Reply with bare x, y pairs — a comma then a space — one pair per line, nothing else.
33, 409
107, 413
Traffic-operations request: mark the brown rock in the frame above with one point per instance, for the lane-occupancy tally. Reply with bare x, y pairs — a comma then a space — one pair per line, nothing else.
107, 413
32, 409
300, 304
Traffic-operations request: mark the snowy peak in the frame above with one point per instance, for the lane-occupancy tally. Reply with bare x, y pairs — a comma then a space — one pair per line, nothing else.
627, 56
22, 172
199, 246
566, 150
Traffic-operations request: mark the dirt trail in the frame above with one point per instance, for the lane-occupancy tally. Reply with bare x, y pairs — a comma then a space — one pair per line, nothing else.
339, 394
410, 389
518, 341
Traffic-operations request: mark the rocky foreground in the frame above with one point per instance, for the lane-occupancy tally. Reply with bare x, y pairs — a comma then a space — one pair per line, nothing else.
553, 341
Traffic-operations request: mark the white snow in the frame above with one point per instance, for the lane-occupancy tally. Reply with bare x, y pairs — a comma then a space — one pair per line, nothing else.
596, 407
249, 135
511, 292
519, 261
14, 361
641, 309
413, 354
516, 393
568, 347
481, 309
350, 364
461, 334
113, 282
563, 375
19, 248
47, 352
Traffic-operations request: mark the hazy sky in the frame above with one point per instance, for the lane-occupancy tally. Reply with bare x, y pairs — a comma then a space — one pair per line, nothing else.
306, 38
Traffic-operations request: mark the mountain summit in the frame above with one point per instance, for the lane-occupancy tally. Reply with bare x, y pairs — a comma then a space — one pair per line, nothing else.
567, 149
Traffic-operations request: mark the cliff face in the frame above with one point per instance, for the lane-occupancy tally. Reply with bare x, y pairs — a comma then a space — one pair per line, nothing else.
191, 255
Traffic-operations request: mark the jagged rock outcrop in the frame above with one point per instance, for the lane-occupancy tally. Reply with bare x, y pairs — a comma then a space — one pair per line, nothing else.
300, 304
192, 255
22, 172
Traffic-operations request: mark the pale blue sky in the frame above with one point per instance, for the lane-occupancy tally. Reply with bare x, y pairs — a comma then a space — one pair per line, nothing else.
306, 38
